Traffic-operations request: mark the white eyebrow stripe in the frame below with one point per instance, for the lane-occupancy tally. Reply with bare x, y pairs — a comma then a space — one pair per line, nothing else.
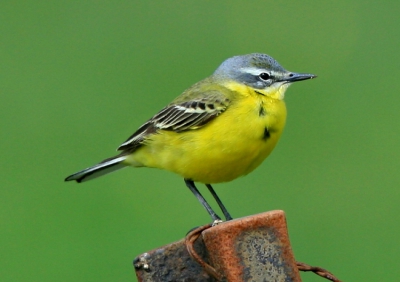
253, 71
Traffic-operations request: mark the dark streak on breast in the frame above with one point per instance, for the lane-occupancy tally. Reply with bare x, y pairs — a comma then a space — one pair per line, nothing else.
259, 93
266, 134
261, 111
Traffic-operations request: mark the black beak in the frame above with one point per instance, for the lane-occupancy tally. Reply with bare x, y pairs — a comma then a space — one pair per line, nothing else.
293, 77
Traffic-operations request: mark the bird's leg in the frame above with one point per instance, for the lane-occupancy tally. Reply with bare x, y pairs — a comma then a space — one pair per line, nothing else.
200, 198
219, 202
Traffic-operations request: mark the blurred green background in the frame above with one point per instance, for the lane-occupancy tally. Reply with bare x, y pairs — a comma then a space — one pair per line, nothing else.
78, 77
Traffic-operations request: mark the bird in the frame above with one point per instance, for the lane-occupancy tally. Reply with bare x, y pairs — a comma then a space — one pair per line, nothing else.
219, 129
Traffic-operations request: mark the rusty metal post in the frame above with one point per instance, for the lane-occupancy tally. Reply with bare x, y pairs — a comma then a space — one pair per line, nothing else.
253, 248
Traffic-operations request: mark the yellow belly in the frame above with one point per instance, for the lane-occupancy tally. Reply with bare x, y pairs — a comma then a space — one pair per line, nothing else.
231, 145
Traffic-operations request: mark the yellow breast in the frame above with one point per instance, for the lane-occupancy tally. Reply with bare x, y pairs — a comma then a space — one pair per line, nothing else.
231, 145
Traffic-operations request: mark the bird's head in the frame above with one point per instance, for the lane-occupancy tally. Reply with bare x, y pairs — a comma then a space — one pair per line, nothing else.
260, 72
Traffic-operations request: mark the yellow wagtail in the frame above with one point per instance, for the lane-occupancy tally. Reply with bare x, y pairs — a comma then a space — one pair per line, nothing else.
219, 129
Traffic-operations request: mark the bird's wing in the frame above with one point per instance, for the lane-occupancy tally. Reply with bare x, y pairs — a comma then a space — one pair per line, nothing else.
180, 116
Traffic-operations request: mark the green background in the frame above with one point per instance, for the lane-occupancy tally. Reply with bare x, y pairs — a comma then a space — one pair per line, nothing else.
78, 77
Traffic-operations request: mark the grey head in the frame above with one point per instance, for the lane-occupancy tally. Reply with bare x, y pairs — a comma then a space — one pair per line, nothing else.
258, 71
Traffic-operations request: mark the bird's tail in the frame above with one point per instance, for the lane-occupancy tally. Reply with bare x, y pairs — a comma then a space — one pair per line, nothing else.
105, 167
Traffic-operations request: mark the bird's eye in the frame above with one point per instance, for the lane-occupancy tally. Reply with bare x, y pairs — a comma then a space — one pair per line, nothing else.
265, 76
